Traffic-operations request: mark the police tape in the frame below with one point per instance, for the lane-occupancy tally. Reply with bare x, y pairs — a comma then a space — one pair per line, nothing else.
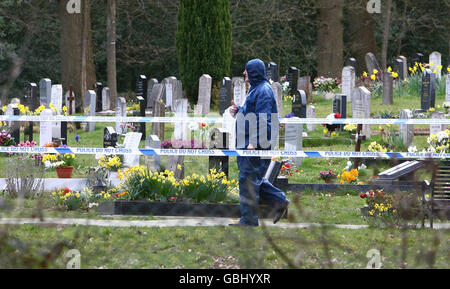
213, 120
222, 153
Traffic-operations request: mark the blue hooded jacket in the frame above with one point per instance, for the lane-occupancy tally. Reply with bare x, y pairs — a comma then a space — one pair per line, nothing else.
261, 102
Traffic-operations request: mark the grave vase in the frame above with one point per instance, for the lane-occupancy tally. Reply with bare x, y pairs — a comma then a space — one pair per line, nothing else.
64, 172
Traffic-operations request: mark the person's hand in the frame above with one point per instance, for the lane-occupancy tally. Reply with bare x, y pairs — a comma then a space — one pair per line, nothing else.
233, 108
250, 147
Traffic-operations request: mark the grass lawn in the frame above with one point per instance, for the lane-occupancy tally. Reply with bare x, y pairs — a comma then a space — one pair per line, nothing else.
225, 247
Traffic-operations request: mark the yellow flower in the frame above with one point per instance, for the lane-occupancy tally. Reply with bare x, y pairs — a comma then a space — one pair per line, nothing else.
325, 130
394, 74
389, 69
375, 71
431, 64
448, 69
333, 133
373, 77
4, 108
179, 167
365, 74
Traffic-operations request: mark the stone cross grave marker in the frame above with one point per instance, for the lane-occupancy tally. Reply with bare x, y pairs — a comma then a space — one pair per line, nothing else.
204, 93
406, 131
224, 95
45, 91
348, 81
361, 107
131, 141
150, 97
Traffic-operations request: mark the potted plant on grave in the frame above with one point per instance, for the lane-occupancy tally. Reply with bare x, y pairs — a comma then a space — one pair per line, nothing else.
63, 164
330, 129
326, 85
112, 163
327, 176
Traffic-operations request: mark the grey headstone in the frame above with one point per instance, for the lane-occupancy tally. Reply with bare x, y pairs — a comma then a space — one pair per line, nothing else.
238, 90
120, 105
436, 128
45, 91
388, 88
405, 66
278, 93
406, 131
92, 96
294, 139
352, 62
361, 107
348, 81
153, 162
371, 63
150, 97
159, 110
106, 99
311, 113
204, 92
272, 71
304, 83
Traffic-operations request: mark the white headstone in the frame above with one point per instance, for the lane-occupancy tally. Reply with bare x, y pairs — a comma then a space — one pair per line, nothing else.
229, 125
45, 91
56, 101
131, 141
45, 131
348, 81
294, 139
90, 94
181, 128
447, 88
106, 103
204, 92
436, 59
361, 107
436, 128
239, 90
311, 113
406, 131
169, 94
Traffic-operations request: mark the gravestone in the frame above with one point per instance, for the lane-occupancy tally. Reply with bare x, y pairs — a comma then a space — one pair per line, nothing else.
219, 139
447, 88
304, 83
294, 139
13, 109
120, 108
90, 94
436, 128
204, 93
172, 165
419, 58
436, 59
371, 63
159, 110
173, 95
340, 106
278, 93
361, 99
428, 90
150, 97
46, 128
311, 113
158, 91
353, 63
238, 90
56, 101
153, 162
45, 91
110, 137
406, 131
299, 104
99, 92
131, 141
224, 95
229, 126
272, 71
348, 81
388, 88
292, 78
141, 89
63, 132
179, 90
405, 66
106, 99
142, 125
32, 102
398, 67
181, 128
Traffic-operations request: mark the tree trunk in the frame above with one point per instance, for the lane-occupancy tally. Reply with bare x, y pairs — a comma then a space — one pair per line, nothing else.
77, 61
387, 23
111, 51
330, 40
361, 32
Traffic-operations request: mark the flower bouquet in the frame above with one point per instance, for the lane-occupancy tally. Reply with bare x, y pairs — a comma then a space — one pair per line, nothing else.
330, 128
327, 176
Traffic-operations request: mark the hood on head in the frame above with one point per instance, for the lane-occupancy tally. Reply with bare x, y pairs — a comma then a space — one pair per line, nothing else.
256, 70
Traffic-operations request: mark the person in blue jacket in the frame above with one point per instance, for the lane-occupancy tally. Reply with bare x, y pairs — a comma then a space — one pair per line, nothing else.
256, 121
